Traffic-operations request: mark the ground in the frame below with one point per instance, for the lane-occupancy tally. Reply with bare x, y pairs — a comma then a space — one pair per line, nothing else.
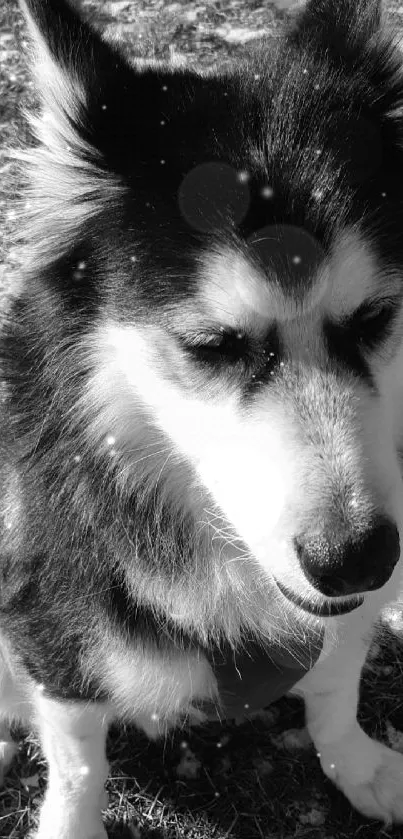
257, 780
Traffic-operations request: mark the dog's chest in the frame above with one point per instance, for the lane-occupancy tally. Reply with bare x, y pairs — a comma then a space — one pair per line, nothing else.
255, 677
159, 690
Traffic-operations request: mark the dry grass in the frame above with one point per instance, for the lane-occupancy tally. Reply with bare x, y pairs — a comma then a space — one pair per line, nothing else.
256, 780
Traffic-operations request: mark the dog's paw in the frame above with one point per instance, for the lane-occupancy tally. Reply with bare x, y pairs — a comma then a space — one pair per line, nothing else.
369, 774
56, 835
58, 820
60, 831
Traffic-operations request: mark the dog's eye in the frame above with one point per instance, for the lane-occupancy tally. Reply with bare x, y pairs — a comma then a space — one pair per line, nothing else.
370, 324
224, 346
351, 340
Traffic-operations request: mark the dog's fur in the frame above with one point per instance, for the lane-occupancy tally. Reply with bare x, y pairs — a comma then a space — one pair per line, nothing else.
202, 391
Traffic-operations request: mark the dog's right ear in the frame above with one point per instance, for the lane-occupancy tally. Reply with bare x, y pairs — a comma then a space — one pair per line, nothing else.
81, 81
68, 55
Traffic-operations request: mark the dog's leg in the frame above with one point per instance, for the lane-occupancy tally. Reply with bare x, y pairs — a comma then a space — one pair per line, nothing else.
8, 749
13, 705
73, 740
369, 773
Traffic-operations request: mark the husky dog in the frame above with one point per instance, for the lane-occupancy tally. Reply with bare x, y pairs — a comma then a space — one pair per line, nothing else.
201, 497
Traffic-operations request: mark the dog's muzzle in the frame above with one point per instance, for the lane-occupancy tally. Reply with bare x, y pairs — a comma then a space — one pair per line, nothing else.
343, 571
341, 568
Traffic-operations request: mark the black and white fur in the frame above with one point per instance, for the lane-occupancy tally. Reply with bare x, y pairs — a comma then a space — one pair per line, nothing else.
202, 390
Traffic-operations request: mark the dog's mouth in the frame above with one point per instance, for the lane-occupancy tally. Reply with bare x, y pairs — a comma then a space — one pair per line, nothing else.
326, 609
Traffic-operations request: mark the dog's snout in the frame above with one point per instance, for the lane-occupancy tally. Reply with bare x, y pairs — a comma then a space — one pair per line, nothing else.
339, 568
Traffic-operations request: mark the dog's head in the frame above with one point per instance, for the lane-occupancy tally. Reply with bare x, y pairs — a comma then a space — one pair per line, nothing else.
230, 246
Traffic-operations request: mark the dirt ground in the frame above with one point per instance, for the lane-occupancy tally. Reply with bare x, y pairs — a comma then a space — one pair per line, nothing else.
259, 780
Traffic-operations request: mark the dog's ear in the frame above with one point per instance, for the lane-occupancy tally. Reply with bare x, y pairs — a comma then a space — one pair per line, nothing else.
69, 56
343, 27
79, 78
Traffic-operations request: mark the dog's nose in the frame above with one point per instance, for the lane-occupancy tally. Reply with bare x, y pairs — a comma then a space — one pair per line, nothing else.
352, 566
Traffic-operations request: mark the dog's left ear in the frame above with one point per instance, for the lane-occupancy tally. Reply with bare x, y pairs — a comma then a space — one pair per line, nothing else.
343, 27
